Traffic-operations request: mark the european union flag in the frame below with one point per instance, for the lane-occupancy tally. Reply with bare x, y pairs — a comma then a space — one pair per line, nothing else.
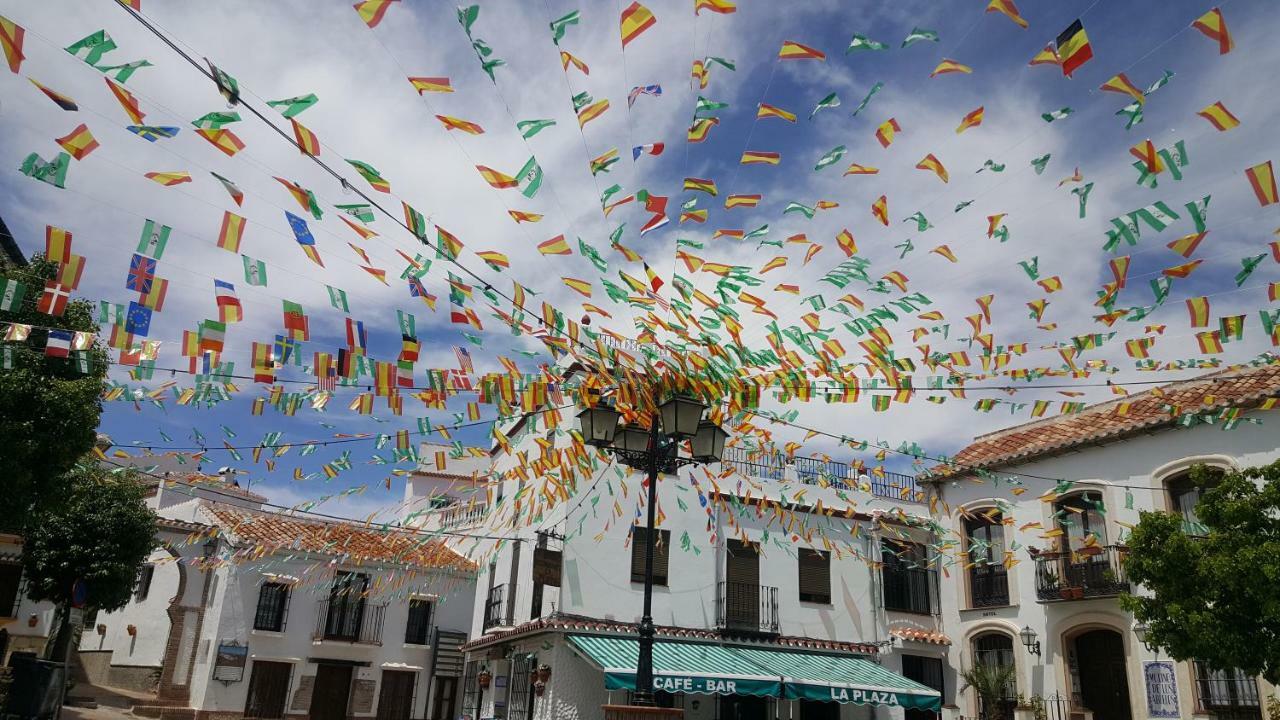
138, 320
301, 232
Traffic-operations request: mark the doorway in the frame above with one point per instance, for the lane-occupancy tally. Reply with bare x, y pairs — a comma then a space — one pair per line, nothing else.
395, 701
268, 690
443, 699
742, 586
743, 707
330, 693
1104, 687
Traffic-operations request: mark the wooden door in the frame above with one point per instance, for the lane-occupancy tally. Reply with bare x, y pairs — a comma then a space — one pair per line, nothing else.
742, 585
395, 700
331, 692
442, 707
268, 690
1103, 685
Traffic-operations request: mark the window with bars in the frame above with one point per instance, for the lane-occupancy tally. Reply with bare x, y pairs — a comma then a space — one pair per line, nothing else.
143, 585
470, 688
661, 548
905, 573
1226, 693
418, 629
520, 702
815, 575
273, 603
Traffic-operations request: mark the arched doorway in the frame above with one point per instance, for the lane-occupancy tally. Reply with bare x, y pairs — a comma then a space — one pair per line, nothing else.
1100, 682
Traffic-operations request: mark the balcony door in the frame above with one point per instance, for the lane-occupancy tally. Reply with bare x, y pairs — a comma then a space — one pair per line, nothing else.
1085, 559
331, 692
988, 578
346, 606
742, 585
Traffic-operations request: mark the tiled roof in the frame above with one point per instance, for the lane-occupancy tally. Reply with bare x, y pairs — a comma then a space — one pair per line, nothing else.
579, 623
1104, 422
924, 636
275, 531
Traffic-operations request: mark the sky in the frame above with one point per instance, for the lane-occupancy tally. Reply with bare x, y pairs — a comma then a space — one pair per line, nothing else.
368, 111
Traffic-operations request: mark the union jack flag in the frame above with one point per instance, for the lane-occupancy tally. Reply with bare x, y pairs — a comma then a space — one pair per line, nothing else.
142, 273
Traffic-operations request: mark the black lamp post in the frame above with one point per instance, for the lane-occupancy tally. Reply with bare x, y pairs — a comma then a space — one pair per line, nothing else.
654, 450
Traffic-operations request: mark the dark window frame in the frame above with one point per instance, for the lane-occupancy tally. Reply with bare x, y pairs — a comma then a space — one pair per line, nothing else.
905, 581
142, 585
820, 565
1179, 487
661, 555
417, 631
272, 610
986, 569
1214, 684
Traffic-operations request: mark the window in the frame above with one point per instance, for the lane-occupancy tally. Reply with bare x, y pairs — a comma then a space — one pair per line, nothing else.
419, 626
10, 582
143, 585
928, 672
996, 649
661, 548
905, 572
815, 576
520, 698
1185, 494
1083, 520
988, 578
1226, 693
273, 600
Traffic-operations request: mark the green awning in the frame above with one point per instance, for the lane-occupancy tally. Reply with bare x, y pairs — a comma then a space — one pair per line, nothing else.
678, 667
738, 670
807, 676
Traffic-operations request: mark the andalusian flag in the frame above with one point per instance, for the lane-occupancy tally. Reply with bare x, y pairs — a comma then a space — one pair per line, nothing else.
529, 179
1214, 27
602, 162
79, 142
1219, 116
294, 105
973, 119
918, 34
125, 71
431, 84
757, 157
832, 157
635, 20
154, 239
826, 103
304, 197
360, 211
1056, 114
555, 246
338, 298
862, 42
11, 294
371, 176
765, 110
700, 185
733, 201
91, 48
231, 232
11, 36
169, 179
1263, 180
885, 133
561, 25
948, 66
466, 126
307, 141
529, 128
1073, 48
795, 51
934, 165
496, 179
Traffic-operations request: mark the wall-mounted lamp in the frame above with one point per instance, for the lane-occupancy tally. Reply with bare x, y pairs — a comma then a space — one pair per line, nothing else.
1142, 630
1029, 640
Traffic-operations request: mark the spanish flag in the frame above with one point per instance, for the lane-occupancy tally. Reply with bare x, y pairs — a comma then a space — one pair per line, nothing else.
846, 243
231, 232
635, 20
880, 210
453, 123
1073, 48
757, 157
372, 11
886, 132
1187, 244
1120, 83
698, 216
592, 111
773, 264
795, 51
723, 7
127, 101
555, 246
1214, 27
933, 164
765, 110
1145, 151
735, 234
1047, 56
948, 66
521, 216
1009, 10
567, 59
78, 142
496, 179
431, 84
856, 169
1198, 308
1219, 116
973, 119
700, 128
733, 201
1210, 342
1263, 180
223, 139
308, 143
700, 185
11, 36
57, 244
169, 179
582, 287
494, 259
945, 251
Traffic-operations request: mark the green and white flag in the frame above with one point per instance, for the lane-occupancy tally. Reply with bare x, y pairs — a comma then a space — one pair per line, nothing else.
338, 298
830, 101
215, 120
832, 157
593, 255
870, 94
1158, 215
918, 34
53, 172
862, 42
722, 62
1146, 178
408, 324
1031, 267
122, 73
11, 294
705, 105
1132, 114
1176, 159
155, 237
1199, 210
529, 128
255, 271
1164, 80
804, 210
294, 105
1083, 193
1125, 229
91, 49
609, 192
963, 205
922, 223
529, 179
417, 269
359, 211
110, 313
581, 100
1248, 265
992, 165
561, 25
1057, 114
758, 232
1040, 163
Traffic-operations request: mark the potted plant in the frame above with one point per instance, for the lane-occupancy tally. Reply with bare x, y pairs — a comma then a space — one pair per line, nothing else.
991, 682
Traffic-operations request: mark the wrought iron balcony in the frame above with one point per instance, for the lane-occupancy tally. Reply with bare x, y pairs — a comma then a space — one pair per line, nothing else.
495, 608
352, 622
816, 471
1090, 572
747, 607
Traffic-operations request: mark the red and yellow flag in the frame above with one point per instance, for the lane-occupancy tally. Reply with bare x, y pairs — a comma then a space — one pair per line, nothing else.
733, 201
1047, 56
795, 51
567, 59
759, 157
856, 169
11, 36
1214, 27
948, 66
846, 243
169, 179
78, 142
1074, 49
724, 7
223, 139
127, 101
308, 143
1120, 83
1009, 10
973, 119
701, 185
231, 232
1146, 152
453, 123
1210, 342
431, 84
700, 128
635, 20
945, 252
1219, 116
496, 179
1198, 308
555, 246
522, 216
1263, 180
885, 133
1187, 244
592, 111
582, 287
880, 210
372, 11
765, 110
932, 163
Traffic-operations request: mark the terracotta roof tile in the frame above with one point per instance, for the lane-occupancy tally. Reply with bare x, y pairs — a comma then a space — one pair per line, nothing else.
275, 531
925, 636
1103, 422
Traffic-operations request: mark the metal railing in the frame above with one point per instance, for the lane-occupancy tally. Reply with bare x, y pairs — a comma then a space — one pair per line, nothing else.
816, 471
353, 622
747, 607
460, 515
988, 586
494, 607
1087, 573
908, 589
1227, 694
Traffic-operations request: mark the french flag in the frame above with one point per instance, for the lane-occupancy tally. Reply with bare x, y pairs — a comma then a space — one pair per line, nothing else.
58, 344
650, 149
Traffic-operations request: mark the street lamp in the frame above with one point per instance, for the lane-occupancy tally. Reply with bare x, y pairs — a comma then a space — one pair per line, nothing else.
1142, 630
1029, 640
654, 450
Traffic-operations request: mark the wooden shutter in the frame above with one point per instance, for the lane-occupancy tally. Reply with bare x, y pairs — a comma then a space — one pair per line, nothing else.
661, 555
815, 575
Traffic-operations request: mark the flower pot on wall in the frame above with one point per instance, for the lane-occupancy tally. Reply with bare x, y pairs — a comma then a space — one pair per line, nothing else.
132, 630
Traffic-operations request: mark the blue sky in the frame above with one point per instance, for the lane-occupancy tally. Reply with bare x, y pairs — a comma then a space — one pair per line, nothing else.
367, 111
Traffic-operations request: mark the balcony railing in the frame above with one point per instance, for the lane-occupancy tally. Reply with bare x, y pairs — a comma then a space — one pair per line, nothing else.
460, 515
747, 607
815, 471
988, 586
1086, 573
353, 622
494, 607
909, 589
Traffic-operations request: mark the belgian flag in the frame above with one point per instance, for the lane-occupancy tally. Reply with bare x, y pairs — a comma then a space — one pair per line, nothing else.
1073, 47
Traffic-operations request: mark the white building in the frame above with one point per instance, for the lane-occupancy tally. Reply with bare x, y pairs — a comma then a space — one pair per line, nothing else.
1122, 457
767, 604
267, 615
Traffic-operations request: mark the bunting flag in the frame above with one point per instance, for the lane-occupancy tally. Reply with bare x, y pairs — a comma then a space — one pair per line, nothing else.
255, 271
1009, 10
304, 197
1219, 117
294, 105
880, 210
152, 133
62, 101
723, 7
758, 157
169, 179
11, 37
231, 232
765, 110
372, 11
91, 48
79, 142
795, 51
307, 141
561, 25
127, 101
1263, 181
1120, 83
973, 119
860, 43
1073, 48
1047, 56
919, 35
1214, 27
700, 185
229, 308
302, 234
453, 123
733, 201
933, 165
237, 195
371, 176
225, 140
886, 132
431, 84
636, 18
636, 92
948, 66
555, 246
496, 179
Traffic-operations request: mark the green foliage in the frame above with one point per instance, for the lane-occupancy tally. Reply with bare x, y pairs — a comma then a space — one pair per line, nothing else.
991, 683
48, 409
1215, 596
100, 531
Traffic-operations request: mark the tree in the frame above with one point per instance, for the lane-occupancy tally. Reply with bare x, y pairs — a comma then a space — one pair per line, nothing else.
1214, 596
100, 532
991, 682
49, 408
